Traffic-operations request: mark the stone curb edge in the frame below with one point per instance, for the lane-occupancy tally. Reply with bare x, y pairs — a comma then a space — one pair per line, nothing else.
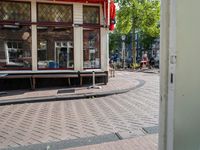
70, 97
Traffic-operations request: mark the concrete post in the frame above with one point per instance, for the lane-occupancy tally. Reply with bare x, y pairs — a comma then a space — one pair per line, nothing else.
34, 34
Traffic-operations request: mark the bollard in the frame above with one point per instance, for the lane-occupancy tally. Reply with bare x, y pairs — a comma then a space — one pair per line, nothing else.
93, 82
93, 79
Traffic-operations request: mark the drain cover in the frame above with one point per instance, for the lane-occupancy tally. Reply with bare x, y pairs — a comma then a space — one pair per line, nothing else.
129, 134
66, 91
151, 130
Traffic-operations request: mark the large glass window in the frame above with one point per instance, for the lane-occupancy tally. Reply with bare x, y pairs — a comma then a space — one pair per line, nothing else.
15, 38
15, 47
55, 13
91, 49
15, 11
91, 15
55, 47
55, 43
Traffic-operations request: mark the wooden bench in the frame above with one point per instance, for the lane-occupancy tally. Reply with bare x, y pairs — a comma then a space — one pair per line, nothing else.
97, 74
68, 76
17, 76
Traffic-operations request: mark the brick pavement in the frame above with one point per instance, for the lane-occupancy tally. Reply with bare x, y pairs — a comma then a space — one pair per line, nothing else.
35, 123
149, 142
122, 80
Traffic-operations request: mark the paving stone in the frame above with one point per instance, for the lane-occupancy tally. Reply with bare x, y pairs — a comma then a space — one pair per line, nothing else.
66, 120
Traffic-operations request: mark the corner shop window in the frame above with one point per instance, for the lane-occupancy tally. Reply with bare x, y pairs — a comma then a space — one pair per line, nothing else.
91, 49
55, 47
15, 47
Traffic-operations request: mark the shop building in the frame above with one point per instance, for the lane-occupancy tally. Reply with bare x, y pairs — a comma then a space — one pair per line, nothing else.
40, 37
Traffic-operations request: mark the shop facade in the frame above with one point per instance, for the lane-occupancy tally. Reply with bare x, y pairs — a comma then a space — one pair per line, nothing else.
49, 36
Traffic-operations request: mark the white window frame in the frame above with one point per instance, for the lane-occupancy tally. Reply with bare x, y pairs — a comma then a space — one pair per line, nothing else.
69, 45
8, 62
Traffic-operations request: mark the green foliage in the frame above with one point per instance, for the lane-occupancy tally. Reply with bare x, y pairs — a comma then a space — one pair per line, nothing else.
146, 40
115, 42
141, 15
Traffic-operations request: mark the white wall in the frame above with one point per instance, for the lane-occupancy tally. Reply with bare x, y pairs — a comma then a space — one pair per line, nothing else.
183, 102
164, 57
104, 49
187, 89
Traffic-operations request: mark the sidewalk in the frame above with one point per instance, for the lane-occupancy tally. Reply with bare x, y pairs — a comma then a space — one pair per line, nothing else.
121, 83
148, 142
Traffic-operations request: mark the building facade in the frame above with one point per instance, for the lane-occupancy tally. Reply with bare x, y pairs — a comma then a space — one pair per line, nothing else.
37, 35
40, 36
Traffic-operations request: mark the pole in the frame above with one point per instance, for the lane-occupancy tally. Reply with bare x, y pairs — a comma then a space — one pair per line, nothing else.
94, 86
93, 78
123, 51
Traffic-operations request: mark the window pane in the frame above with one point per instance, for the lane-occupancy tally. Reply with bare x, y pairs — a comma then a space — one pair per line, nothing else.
54, 13
91, 15
91, 48
57, 44
15, 11
42, 50
15, 47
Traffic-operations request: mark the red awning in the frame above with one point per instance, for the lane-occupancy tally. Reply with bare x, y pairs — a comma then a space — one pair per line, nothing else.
85, 1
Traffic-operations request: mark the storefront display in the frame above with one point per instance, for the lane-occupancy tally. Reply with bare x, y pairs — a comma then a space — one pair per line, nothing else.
91, 49
43, 35
15, 38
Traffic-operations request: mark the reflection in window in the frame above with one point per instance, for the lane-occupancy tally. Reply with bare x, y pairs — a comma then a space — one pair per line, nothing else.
15, 11
55, 48
91, 48
91, 15
42, 50
15, 47
54, 13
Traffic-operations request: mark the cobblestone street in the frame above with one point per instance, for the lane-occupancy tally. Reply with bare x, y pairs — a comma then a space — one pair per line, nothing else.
36, 123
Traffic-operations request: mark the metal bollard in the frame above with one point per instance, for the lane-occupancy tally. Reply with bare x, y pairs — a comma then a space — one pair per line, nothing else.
93, 79
94, 86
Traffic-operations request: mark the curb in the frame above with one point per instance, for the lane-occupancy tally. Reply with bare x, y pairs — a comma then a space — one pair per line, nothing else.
69, 97
149, 71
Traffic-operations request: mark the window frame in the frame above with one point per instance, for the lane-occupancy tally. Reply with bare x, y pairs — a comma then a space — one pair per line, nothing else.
91, 68
16, 23
8, 62
99, 18
7, 50
13, 22
53, 23
71, 27
56, 24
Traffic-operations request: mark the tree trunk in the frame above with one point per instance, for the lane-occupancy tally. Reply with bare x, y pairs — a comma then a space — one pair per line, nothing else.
133, 43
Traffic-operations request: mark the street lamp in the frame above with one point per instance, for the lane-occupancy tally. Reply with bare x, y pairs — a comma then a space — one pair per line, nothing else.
123, 50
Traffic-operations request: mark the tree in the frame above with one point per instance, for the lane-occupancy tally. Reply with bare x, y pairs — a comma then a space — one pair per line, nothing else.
146, 40
140, 15
115, 42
